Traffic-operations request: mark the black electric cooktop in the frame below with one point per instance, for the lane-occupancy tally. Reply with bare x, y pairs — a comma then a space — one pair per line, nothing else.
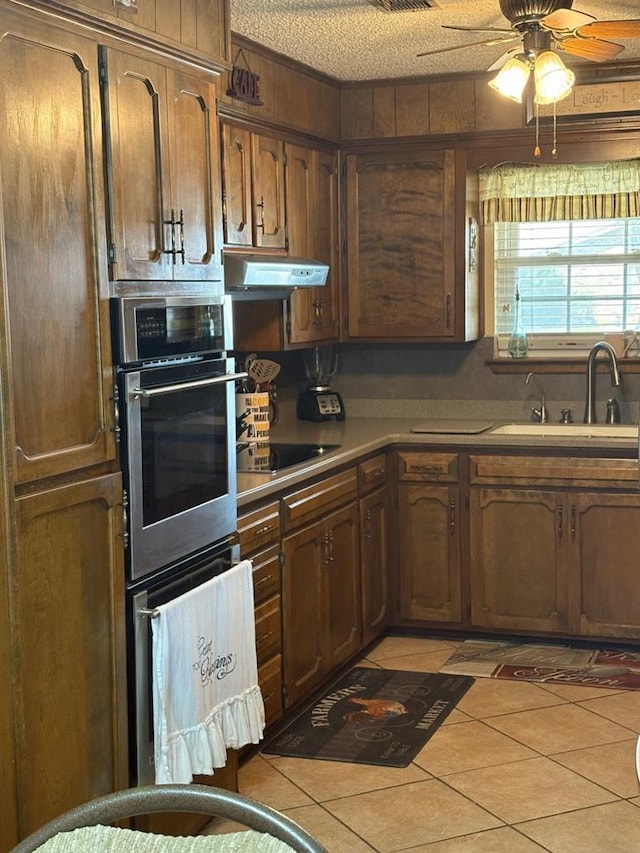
272, 457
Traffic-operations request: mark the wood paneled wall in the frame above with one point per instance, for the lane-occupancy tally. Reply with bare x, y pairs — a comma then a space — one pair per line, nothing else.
293, 97
410, 108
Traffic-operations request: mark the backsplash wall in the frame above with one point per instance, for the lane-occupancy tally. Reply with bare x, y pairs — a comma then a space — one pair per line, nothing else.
452, 380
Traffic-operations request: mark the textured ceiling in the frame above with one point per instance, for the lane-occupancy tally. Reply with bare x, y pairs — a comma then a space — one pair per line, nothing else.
354, 40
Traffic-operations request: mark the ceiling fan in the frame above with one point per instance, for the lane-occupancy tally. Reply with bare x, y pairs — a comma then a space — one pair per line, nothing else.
543, 25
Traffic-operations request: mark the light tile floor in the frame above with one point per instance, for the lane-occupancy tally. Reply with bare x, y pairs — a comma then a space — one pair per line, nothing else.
515, 768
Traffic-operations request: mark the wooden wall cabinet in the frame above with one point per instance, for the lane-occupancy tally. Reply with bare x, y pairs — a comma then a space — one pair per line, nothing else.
408, 275
165, 207
54, 277
312, 206
374, 546
429, 524
253, 189
309, 189
189, 26
554, 545
259, 536
321, 582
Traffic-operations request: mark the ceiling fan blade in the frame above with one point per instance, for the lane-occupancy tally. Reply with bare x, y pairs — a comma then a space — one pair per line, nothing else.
478, 29
502, 60
565, 20
610, 29
594, 49
486, 43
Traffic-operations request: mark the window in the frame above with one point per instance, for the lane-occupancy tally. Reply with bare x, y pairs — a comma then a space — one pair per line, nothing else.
567, 243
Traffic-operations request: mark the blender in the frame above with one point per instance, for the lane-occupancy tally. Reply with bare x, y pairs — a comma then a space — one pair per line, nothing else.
318, 402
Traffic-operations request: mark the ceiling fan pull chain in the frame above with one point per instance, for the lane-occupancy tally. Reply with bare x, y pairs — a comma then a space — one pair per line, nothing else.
536, 150
554, 150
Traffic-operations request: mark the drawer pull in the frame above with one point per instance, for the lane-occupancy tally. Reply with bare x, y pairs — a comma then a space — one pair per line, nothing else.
375, 475
264, 637
427, 469
262, 531
268, 697
265, 579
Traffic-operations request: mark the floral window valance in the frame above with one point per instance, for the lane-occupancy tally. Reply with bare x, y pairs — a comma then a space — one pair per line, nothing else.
513, 193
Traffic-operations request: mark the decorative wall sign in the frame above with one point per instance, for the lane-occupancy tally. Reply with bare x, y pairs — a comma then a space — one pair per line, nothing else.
244, 84
604, 98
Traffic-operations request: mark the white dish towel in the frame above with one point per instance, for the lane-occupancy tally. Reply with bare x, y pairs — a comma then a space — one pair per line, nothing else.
205, 677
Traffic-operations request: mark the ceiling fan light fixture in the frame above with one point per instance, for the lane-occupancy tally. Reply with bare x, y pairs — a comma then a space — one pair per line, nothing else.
511, 79
553, 80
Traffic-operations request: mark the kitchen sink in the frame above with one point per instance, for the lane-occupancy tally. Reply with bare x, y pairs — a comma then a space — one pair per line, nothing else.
621, 431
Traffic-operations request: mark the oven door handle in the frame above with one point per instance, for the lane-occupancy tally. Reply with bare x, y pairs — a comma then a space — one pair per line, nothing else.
184, 386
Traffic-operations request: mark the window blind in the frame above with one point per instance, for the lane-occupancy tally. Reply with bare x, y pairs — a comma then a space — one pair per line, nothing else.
574, 277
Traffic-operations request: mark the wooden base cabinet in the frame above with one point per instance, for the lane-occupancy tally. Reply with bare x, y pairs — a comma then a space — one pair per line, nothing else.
259, 536
605, 595
519, 571
561, 559
374, 546
429, 531
321, 582
69, 624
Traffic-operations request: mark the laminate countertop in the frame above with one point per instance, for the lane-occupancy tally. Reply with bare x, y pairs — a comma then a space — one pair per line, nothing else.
357, 437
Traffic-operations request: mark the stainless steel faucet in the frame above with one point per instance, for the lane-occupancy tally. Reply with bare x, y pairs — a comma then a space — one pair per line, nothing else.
590, 405
540, 414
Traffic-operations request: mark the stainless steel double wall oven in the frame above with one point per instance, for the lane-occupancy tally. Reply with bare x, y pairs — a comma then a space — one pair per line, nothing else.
176, 399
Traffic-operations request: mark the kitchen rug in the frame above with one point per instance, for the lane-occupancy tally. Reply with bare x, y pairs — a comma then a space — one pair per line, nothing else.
372, 716
617, 668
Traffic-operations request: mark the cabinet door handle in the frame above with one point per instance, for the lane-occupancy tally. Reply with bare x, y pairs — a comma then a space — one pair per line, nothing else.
559, 516
368, 535
173, 251
452, 516
172, 223
243, 172
573, 523
125, 518
181, 228
260, 206
448, 311
115, 399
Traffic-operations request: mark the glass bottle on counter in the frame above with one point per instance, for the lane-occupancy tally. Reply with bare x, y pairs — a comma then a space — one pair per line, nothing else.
518, 343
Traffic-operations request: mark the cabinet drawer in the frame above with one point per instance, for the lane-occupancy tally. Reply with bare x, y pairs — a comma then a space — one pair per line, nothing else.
268, 629
372, 473
414, 466
316, 500
259, 528
554, 471
266, 573
270, 681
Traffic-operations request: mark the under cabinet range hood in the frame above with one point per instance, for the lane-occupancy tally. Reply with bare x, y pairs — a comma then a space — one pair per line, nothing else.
270, 276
